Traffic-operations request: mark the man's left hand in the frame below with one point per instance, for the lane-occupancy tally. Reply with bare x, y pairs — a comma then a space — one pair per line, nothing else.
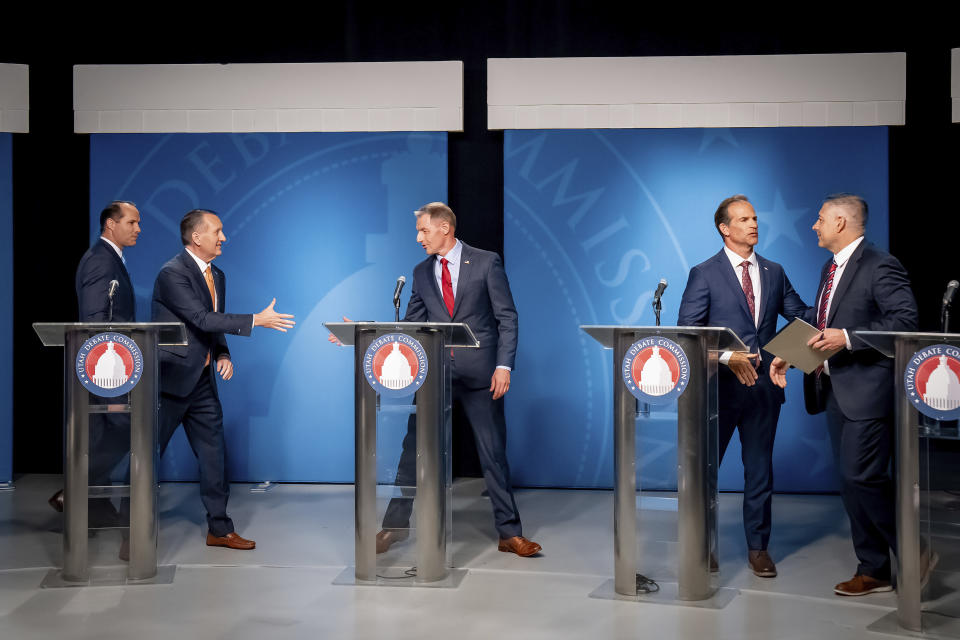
500, 383
828, 339
225, 368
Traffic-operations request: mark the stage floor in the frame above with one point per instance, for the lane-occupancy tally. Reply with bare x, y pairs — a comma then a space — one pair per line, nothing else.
304, 533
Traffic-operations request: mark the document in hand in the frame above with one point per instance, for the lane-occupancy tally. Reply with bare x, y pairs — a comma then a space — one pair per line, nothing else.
790, 343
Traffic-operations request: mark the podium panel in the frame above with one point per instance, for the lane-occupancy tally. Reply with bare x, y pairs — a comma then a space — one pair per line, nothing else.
110, 390
403, 471
652, 367
927, 404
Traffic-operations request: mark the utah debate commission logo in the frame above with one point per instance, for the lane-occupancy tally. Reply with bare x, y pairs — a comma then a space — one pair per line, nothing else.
109, 364
395, 365
932, 381
656, 370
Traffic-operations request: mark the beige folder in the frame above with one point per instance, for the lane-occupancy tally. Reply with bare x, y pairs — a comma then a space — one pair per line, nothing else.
790, 343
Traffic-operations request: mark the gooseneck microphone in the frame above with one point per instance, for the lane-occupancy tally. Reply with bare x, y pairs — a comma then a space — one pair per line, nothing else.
656, 298
945, 306
111, 291
396, 298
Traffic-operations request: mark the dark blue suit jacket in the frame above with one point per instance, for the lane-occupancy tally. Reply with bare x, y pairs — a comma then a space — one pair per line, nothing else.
714, 298
874, 295
98, 266
180, 294
483, 302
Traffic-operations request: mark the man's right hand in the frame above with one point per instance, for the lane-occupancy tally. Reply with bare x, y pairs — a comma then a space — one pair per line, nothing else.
778, 372
334, 339
742, 365
273, 320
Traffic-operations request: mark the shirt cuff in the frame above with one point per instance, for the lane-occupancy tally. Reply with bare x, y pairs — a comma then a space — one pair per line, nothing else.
725, 357
846, 337
503, 366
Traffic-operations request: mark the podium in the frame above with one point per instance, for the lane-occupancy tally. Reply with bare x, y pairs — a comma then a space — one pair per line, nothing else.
430, 344
928, 517
139, 401
697, 458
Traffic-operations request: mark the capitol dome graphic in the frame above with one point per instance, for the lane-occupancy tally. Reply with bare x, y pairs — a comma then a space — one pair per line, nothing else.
655, 377
110, 371
396, 372
942, 388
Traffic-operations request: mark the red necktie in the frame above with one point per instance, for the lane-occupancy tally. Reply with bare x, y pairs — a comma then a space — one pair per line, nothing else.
824, 301
748, 290
447, 286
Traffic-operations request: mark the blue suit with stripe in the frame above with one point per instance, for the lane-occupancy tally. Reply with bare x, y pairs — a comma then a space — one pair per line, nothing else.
714, 297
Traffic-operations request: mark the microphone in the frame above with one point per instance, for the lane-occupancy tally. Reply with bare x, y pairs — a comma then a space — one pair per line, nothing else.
660, 289
950, 292
114, 285
396, 292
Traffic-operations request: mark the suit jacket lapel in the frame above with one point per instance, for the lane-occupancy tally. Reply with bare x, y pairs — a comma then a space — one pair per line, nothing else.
730, 276
849, 271
199, 282
466, 253
766, 287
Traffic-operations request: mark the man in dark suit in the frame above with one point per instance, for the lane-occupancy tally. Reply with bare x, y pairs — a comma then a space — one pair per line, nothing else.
738, 289
102, 264
861, 287
189, 289
458, 283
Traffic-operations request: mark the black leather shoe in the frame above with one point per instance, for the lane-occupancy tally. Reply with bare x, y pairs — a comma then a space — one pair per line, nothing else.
56, 501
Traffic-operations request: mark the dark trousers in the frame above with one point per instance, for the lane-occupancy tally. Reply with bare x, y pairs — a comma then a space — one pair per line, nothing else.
202, 419
862, 454
490, 433
754, 412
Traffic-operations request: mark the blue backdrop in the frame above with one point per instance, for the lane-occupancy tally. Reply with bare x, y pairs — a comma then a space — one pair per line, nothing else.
594, 219
6, 301
325, 223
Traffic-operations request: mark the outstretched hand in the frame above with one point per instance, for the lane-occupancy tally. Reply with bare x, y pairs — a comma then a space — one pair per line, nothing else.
273, 320
778, 372
334, 339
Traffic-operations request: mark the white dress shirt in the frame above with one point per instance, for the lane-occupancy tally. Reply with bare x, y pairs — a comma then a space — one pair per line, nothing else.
115, 248
754, 273
842, 258
453, 265
203, 270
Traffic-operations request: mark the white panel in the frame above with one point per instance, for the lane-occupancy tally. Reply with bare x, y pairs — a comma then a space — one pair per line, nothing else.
160, 121
14, 98
715, 91
268, 92
502, 118
621, 116
955, 82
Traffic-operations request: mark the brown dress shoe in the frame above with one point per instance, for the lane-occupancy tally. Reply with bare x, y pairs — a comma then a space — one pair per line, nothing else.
861, 585
389, 537
231, 541
56, 501
519, 545
761, 563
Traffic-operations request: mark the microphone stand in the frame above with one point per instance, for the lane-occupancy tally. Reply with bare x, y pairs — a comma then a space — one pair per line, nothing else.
396, 311
945, 318
110, 312
643, 408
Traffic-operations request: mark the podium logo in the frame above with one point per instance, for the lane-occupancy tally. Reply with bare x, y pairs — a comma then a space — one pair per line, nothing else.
395, 365
109, 364
932, 381
655, 370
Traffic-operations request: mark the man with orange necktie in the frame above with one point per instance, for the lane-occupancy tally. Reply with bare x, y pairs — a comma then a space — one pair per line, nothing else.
189, 289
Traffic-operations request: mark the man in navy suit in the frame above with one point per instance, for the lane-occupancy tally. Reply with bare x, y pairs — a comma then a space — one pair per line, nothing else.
100, 265
189, 289
861, 287
458, 283
738, 289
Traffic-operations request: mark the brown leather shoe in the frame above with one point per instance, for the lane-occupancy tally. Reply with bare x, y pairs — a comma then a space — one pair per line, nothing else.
56, 501
231, 541
861, 585
761, 563
389, 537
519, 545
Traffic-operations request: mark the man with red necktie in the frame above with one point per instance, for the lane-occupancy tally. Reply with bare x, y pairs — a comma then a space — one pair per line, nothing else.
459, 283
861, 287
738, 289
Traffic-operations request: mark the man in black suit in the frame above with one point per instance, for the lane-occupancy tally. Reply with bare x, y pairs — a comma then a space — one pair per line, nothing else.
861, 287
458, 283
101, 265
737, 288
189, 289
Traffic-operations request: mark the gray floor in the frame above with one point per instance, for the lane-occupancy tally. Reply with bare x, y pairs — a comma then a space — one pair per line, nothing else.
304, 534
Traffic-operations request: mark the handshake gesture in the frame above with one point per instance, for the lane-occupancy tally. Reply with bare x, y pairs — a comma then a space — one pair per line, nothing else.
272, 319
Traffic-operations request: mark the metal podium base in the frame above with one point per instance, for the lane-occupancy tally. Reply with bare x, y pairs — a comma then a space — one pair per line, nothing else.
400, 577
108, 577
668, 594
935, 626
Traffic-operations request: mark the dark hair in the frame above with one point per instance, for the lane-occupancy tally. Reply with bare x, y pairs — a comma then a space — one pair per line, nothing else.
113, 211
438, 211
853, 203
722, 216
190, 222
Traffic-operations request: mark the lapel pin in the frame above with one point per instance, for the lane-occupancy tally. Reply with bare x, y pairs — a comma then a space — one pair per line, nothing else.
466, 262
